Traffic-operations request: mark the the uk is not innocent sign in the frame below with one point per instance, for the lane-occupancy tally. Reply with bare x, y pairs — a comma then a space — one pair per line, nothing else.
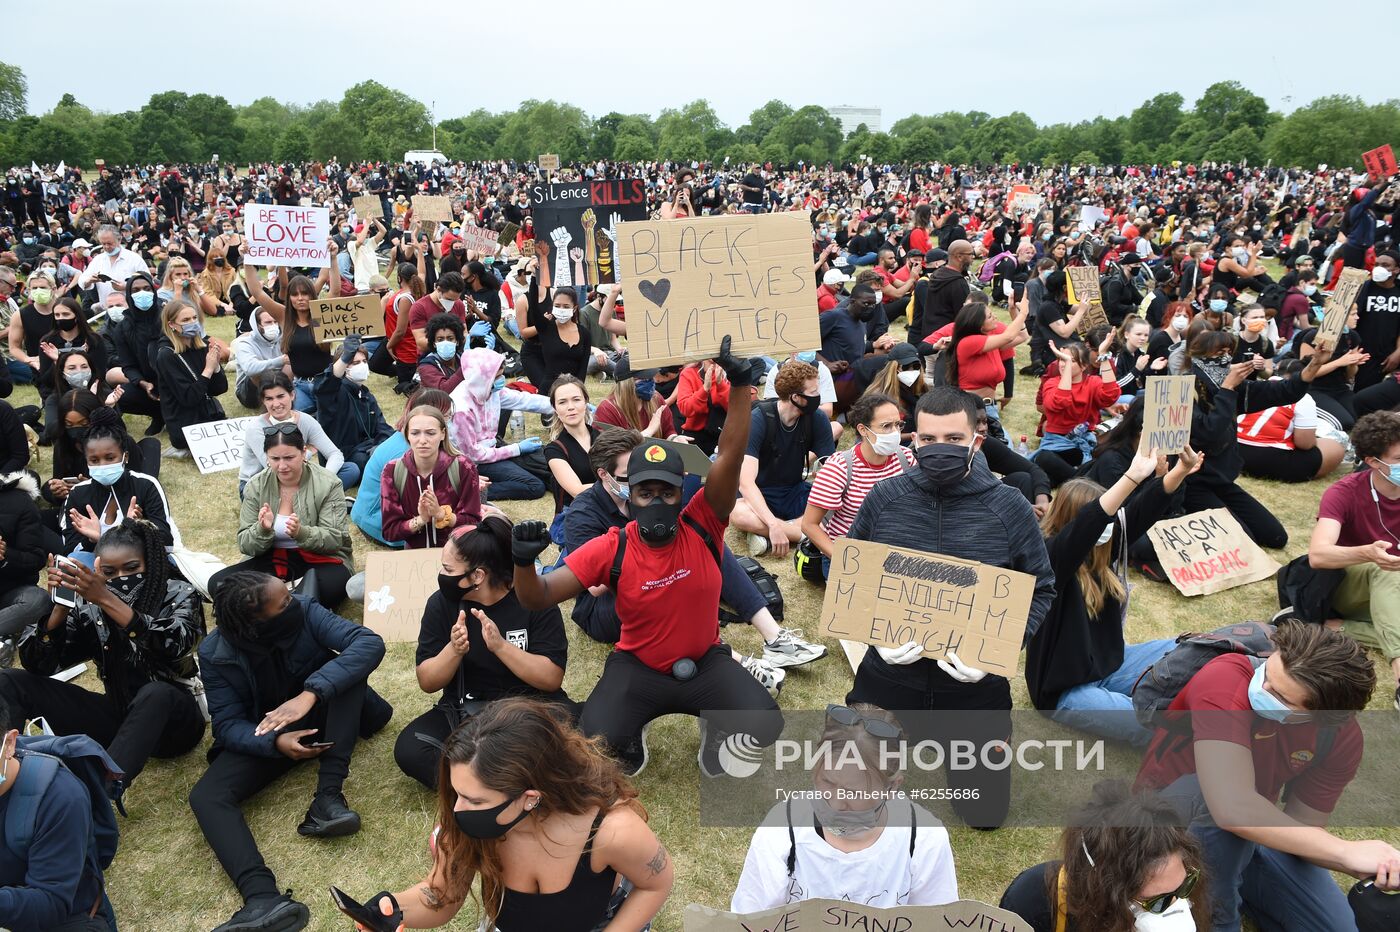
692, 282
295, 236
889, 596
1166, 417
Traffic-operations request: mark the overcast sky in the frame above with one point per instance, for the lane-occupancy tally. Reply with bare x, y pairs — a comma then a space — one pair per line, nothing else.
1052, 61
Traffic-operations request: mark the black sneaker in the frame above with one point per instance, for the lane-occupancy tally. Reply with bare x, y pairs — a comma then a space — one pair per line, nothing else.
634, 760
156, 426
1397, 698
269, 913
330, 816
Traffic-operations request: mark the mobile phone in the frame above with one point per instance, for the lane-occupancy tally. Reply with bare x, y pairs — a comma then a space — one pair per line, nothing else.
63, 595
367, 915
316, 745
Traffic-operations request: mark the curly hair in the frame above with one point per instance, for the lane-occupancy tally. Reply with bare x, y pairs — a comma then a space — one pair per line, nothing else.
104, 423
1375, 434
792, 378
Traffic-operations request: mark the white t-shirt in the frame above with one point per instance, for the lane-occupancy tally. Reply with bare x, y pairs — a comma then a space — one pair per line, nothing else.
119, 269
882, 875
825, 386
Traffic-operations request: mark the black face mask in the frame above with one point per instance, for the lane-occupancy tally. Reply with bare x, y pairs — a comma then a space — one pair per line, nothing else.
944, 464
128, 587
67, 325
281, 629
451, 589
76, 435
657, 522
809, 405
481, 824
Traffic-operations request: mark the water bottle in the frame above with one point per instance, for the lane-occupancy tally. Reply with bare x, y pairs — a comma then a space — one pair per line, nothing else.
1022, 448
517, 424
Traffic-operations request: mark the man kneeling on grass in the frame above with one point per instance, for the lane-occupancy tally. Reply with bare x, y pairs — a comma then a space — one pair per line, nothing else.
308, 668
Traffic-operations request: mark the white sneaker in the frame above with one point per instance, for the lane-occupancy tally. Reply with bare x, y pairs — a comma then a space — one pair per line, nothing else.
770, 676
789, 649
646, 754
175, 453
758, 545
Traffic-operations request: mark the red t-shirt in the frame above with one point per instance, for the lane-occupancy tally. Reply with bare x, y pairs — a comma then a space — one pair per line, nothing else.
918, 239
978, 368
1364, 519
668, 601
826, 299
1219, 697
425, 307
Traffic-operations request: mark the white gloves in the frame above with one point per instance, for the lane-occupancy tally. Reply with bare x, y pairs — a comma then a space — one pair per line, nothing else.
901, 655
960, 671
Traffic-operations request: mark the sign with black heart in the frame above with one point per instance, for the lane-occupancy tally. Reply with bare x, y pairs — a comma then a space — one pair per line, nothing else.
691, 282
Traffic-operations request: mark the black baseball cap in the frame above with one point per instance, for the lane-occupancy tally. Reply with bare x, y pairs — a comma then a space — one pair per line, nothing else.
624, 370
653, 460
1375, 908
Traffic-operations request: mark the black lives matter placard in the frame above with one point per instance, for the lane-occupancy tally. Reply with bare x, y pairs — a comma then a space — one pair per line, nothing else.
577, 226
692, 282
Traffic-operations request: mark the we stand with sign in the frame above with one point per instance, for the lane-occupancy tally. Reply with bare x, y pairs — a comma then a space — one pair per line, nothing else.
830, 915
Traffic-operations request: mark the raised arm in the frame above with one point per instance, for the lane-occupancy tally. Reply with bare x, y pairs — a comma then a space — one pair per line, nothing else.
722, 485
606, 320
256, 292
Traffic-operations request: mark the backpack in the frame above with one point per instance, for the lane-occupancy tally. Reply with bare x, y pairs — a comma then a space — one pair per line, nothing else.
766, 584
454, 475
989, 268
1273, 295
773, 426
86, 760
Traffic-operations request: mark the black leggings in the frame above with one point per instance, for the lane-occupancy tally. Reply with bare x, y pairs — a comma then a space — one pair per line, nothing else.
163, 720
1340, 407
1383, 396
1283, 465
1059, 465
330, 578
419, 758
1257, 520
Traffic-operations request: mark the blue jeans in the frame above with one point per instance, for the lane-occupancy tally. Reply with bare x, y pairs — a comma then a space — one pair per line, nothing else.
867, 259
20, 373
1105, 708
513, 327
1280, 892
510, 481
349, 475
306, 394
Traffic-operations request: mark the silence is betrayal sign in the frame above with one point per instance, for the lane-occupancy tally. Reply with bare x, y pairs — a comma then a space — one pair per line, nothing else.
835, 915
692, 282
217, 445
577, 223
1208, 551
293, 236
888, 596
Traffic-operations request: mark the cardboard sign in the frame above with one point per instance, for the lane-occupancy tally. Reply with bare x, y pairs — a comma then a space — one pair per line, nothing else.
549, 163
435, 208
885, 595
578, 223
397, 586
217, 445
1082, 284
1338, 307
368, 207
1091, 216
1027, 203
480, 241
690, 282
1208, 552
1380, 162
333, 319
507, 236
210, 193
1166, 416
277, 235
834, 915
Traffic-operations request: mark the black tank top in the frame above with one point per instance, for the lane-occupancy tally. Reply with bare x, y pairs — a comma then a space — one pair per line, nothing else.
578, 907
35, 324
308, 358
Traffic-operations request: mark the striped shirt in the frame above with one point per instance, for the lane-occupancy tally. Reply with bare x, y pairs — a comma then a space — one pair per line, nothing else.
842, 501
1274, 427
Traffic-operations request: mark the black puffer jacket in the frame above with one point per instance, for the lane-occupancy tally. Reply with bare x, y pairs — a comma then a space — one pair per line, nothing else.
20, 530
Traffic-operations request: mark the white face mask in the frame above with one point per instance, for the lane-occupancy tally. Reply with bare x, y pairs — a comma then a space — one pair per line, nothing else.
908, 377
1179, 322
1241, 256
1380, 274
358, 373
1177, 918
446, 302
885, 444
563, 314
272, 333
1309, 290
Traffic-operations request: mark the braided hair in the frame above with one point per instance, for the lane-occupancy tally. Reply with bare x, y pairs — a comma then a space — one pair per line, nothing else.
239, 600
144, 536
105, 423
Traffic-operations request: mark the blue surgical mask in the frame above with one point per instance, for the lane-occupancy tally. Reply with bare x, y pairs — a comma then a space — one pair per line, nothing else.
1046, 237
345, 231
1394, 474
1267, 705
645, 388
807, 356
621, 489
445, 349
143, 299
1218, 304
107, 474
499, 384
29, 241
193, 330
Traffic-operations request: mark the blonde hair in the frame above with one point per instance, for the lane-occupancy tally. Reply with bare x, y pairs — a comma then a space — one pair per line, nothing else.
448, 446
176, 262
214, 281
1097, 580
886, 382
635, 412
172, 310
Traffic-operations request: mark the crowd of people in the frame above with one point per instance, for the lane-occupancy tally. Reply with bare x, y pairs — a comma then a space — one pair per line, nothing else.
928, 280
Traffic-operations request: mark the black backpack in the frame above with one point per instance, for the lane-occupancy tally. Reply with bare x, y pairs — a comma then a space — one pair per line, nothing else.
1273, 295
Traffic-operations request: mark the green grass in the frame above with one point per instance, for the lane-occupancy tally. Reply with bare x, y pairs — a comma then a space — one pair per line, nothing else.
165, 877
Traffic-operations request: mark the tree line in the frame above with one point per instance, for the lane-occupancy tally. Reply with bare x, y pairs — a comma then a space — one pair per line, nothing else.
1228, 123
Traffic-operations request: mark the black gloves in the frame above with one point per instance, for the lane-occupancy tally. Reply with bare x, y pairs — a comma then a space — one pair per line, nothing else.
528, 540
350, 347
739, 371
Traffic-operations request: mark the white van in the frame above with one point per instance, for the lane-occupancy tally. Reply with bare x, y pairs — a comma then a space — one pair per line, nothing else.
424, 156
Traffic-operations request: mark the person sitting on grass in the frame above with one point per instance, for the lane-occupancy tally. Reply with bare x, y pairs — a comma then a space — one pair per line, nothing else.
635, 403
1283, 443
782, 435
478, 644
367, 512
1260, 728
869, 848
1125, 864
348, 409
441, 366
530, 805
430, 490
278, 397
139, 627
22, 556
847, 477
292, 522
516, 470
570, 438
286, 681
189, 371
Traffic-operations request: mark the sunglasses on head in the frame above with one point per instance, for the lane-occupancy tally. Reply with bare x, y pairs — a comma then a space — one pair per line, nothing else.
273, 430
849, 717
1163, 901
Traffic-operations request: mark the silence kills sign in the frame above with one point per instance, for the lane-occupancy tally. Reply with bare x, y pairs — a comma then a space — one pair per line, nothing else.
692, 282
576, 228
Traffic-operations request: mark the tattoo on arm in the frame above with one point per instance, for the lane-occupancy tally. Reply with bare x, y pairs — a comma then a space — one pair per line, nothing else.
657, 864
429, 897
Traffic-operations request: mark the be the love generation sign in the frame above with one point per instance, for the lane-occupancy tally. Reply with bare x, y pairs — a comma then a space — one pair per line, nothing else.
278, 235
